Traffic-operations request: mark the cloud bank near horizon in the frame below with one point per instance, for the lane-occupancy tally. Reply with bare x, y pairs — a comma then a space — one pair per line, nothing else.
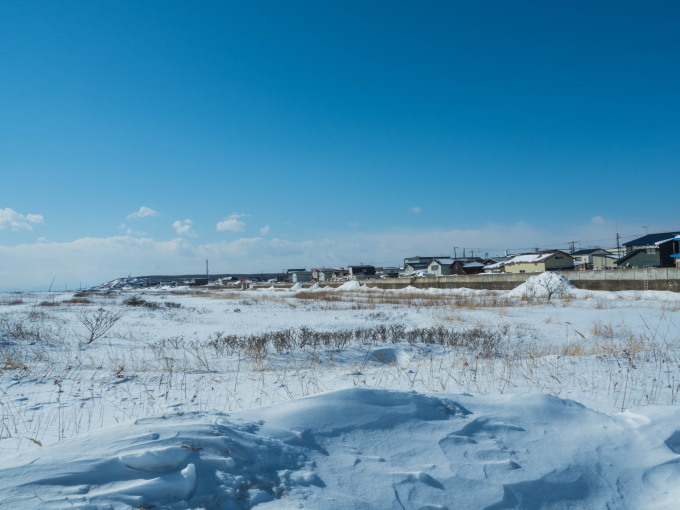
91, 260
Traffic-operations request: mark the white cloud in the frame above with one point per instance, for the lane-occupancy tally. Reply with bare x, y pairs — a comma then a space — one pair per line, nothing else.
12, 220
232, 223
598, 220
416, 209
265, 230
91, 261
142, 213
184, 228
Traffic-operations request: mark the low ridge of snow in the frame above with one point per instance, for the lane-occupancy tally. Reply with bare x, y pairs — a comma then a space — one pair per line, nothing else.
364, 448
349, 285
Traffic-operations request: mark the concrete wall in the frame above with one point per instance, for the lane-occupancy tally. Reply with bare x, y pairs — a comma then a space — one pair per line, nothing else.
621, 279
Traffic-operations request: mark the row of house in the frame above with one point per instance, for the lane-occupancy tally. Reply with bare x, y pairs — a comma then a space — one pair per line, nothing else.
652, 250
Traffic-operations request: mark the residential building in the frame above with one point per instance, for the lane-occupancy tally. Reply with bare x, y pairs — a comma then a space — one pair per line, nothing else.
413, 264
676, 256
549, 260
652, 250
443, 266
362, 271
593, 258
389, 272
496, 264
327, 274
301, 276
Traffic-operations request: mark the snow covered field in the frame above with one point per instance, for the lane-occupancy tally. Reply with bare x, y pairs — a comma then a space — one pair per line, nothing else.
347, 398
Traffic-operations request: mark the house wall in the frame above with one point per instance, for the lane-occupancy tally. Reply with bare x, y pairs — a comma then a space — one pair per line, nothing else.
642, 260
438, 269
525, 267
302, 277
602, 262
559, 261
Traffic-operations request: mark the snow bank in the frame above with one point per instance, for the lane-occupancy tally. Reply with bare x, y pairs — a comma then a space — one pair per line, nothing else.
365, 448
543, 285
350, 285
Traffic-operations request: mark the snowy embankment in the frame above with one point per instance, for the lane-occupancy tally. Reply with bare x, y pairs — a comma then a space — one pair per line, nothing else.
341, 398
364, 448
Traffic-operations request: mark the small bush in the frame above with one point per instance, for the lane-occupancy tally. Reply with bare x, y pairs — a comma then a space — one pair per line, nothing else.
48, 303
137, 301
78, 301
98, 322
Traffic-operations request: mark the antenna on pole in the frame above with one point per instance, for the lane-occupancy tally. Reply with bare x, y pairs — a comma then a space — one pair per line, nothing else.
645, 227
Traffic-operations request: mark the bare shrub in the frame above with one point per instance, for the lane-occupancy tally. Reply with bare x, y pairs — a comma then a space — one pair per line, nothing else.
553, 284
78, 301
21, 329
602, 330
98, 322
12, 299
49, 303
137, 301
484, 341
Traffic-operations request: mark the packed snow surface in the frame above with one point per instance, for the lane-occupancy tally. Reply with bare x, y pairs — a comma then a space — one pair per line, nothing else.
354, 398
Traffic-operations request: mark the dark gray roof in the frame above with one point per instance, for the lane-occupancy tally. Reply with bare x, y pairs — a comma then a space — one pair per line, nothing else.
652, 238
586, 251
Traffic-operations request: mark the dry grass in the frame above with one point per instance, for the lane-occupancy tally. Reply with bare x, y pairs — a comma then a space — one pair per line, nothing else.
78, 301
12, 302
49, 303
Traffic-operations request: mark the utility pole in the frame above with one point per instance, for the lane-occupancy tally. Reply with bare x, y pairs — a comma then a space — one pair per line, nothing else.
618, 245
645, 227
206, 268
571, 246
454, 252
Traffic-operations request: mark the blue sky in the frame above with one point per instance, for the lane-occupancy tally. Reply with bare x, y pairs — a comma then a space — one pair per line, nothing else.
265, 135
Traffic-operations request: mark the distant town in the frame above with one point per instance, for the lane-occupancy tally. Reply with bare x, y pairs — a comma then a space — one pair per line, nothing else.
658, 250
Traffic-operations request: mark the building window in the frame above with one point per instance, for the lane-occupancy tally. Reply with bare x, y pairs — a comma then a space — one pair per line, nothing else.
651, 251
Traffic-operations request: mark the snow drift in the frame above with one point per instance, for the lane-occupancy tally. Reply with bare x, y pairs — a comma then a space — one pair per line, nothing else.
364, 448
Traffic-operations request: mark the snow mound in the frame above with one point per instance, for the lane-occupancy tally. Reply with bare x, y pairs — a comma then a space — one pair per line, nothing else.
543, 285
296, 287
389, 356
364, 448
350, 285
